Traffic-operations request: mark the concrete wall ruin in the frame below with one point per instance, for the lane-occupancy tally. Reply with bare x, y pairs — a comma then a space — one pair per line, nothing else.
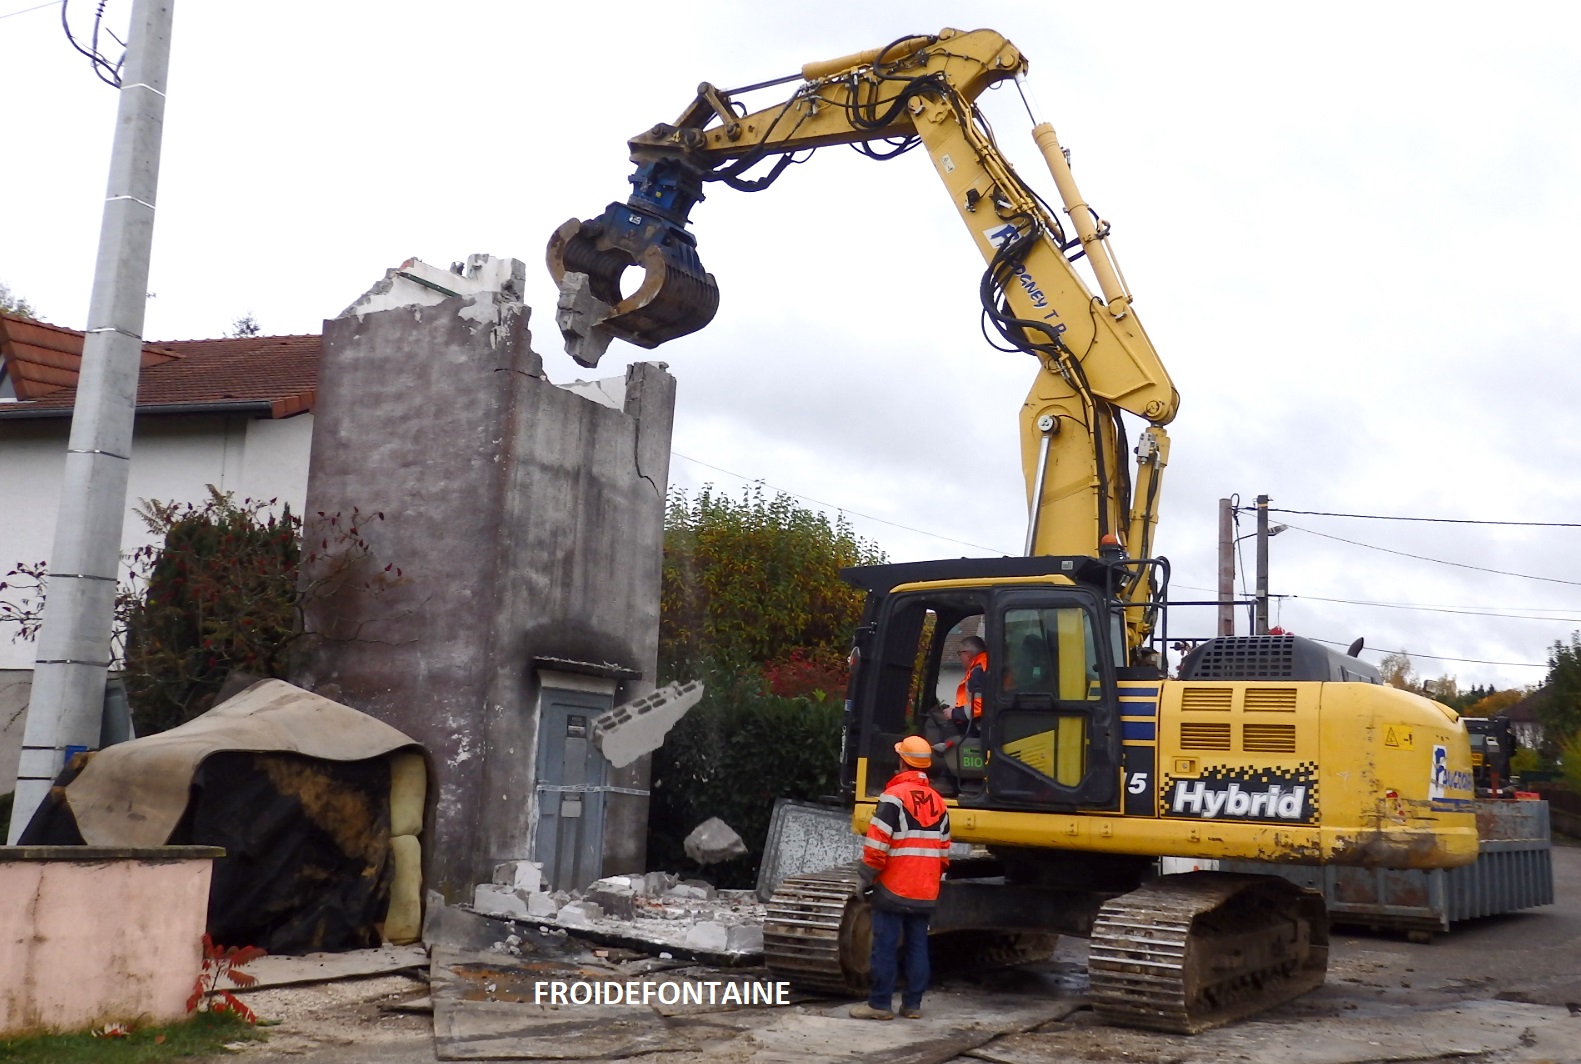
527, 522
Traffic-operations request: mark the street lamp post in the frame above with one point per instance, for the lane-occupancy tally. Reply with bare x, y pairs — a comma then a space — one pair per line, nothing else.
1260, 622
1264, 534
1226, 567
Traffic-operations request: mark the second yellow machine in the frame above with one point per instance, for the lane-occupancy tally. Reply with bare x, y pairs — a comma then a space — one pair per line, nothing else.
1087, 763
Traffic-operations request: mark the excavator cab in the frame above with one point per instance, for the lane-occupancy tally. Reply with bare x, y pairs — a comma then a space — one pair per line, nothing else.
1054, 735
1048, 738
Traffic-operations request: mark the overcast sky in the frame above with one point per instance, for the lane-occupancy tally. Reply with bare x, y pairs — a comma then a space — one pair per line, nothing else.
1351, 229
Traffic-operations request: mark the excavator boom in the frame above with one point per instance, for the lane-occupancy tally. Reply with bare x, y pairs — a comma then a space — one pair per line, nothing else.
1095, 358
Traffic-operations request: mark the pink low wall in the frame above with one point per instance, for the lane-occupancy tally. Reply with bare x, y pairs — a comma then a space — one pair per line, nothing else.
91, 935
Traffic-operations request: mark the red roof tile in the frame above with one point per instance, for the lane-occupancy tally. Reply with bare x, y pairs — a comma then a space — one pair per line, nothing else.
42, 362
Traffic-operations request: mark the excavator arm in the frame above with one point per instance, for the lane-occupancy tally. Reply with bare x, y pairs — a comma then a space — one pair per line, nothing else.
1095, 357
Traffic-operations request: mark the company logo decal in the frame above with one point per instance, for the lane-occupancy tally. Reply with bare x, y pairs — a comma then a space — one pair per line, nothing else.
1001, 235
1281, 796
1444, 780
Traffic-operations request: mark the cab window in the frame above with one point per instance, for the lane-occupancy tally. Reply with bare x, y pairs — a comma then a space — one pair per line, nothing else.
1051, 652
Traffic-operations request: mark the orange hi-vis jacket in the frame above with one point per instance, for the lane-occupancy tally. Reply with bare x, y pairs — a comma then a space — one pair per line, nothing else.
908, 844
978, 667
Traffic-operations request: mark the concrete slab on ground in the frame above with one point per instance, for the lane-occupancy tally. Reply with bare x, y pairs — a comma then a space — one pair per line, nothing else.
485, 1008
953, 1024
322, 967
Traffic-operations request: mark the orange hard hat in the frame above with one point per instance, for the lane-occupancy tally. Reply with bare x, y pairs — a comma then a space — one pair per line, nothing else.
915, 751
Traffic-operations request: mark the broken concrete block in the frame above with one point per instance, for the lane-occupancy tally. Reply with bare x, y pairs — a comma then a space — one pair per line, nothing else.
619, 902
525, 876
631, 883
656, 883
541, 906
686, 892
579, 914
708, 935
744, 938
713, 841
638, 727
496, 900
579, 314
415, 283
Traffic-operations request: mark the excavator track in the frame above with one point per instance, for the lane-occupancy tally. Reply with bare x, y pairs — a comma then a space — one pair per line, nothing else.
1190, 952
817, 934
816, 931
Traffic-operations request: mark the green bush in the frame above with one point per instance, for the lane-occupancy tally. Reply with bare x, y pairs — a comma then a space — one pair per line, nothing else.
221, 595
1525, 761
747, 582
733, 756
1570, 761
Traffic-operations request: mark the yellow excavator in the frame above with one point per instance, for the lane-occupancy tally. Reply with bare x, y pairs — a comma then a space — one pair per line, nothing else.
1089, 762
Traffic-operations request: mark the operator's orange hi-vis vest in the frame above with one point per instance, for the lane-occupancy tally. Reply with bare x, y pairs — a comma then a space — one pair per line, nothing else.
978, 667
908, 839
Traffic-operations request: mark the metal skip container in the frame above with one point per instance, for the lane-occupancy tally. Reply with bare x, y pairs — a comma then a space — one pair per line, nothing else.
1513, 871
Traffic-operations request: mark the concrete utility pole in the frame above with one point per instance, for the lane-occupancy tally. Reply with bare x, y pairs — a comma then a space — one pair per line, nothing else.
1261, 627
69, 674
1226, 567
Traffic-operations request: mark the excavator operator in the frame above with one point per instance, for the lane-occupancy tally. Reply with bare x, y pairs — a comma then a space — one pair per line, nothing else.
967, 712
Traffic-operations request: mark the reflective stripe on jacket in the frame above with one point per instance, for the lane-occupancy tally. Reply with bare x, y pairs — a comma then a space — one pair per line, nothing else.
908, 843
973, 682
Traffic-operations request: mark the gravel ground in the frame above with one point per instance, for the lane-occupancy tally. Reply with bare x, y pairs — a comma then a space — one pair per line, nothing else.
349, 1013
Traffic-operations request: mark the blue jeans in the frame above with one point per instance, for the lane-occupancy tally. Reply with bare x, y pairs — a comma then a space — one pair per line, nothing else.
888, 929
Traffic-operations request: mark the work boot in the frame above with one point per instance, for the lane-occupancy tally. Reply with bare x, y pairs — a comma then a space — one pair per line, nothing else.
911, 1012
864, 1011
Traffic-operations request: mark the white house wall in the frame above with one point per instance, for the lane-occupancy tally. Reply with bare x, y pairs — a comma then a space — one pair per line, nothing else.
173, 458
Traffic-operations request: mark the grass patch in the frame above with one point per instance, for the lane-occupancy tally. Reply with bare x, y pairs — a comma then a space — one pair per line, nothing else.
204, 1034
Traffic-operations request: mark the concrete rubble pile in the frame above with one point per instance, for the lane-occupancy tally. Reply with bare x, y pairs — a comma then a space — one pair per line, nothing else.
656, 909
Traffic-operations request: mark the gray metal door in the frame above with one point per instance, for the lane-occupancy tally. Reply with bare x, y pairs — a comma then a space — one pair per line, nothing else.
572, 777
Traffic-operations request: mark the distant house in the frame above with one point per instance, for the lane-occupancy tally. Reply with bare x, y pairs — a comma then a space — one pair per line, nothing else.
235, 413
1525, 719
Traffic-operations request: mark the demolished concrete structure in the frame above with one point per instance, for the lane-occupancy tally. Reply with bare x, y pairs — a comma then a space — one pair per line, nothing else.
527, 522
655, 912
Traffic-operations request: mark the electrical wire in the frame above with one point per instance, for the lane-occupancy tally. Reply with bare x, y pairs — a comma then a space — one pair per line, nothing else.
1451, 610
1438, 657
36, 7
840, 509
1430, 520
994, 550
1505, 613
107, 72
1440, 561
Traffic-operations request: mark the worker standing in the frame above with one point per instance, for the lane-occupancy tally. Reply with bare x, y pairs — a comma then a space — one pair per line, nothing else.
903, 858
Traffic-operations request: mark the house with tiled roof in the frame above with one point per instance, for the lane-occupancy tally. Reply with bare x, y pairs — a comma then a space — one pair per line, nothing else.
235, 413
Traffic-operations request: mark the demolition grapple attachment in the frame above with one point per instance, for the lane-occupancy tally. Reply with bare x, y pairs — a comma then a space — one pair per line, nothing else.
587, 259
